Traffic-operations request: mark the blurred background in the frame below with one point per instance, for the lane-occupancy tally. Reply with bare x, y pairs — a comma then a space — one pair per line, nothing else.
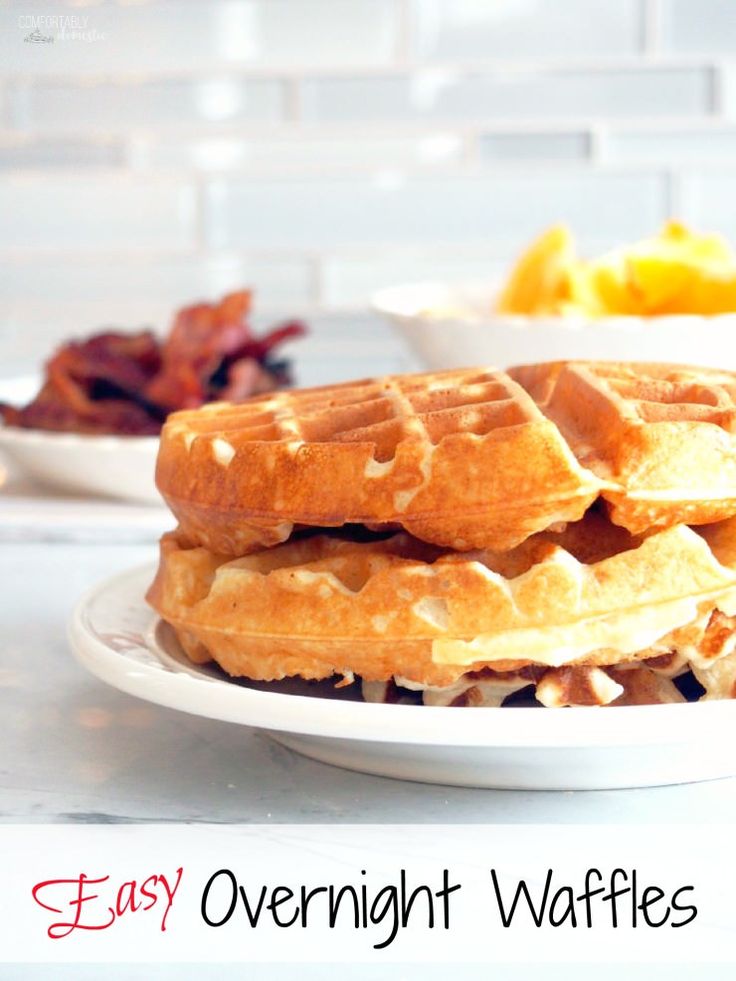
154, 153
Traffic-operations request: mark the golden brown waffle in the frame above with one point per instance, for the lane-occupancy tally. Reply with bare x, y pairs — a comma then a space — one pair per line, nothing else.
398, 608
664, 435
719, 678
635, 683
463, 459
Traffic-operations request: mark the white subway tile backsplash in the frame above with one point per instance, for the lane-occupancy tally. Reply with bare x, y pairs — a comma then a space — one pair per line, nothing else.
670, 146
96, 212
393, 209
17, 152
700, 26
317, 366
349, 279
299, 152
535, 146
320, 149
324, 32
341, 347
479, 29
728, 91
177, 35
448, 95
709, 201
146, 289
117, 107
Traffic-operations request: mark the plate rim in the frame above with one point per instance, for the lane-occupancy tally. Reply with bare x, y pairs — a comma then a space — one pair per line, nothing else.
478, 728
102, 441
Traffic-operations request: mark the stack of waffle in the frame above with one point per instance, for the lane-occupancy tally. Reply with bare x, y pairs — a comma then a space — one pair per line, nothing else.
563, 531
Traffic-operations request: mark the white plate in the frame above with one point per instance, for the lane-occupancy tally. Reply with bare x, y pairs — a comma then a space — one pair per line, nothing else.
117, 637
463, 331
112, 466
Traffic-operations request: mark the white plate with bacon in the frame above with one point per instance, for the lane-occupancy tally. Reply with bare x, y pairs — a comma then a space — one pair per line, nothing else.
90, 425
120, 467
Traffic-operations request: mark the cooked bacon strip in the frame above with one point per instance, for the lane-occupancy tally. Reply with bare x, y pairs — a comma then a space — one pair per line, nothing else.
127, 383
91, 387
205, 342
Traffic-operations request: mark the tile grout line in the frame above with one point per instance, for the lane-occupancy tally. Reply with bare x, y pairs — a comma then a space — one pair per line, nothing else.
403, 40
717, 91
317, 283
652, 27
674, 193
597, 148
293, 101
593, 64
201, 222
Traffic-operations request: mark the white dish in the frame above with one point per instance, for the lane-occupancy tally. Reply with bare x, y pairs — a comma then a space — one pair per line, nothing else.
452, 326
112, 466
117, 637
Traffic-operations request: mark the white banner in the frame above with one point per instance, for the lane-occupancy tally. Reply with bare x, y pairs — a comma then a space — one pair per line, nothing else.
363, 893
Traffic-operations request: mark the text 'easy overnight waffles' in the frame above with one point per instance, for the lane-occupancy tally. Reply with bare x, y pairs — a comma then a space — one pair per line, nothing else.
562, 529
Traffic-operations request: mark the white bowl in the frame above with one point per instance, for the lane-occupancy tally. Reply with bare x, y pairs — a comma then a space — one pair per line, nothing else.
120, 467
453, 326
113, 466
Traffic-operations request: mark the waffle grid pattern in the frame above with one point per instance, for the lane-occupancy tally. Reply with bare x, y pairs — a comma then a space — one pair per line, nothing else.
382, 411
662, 394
